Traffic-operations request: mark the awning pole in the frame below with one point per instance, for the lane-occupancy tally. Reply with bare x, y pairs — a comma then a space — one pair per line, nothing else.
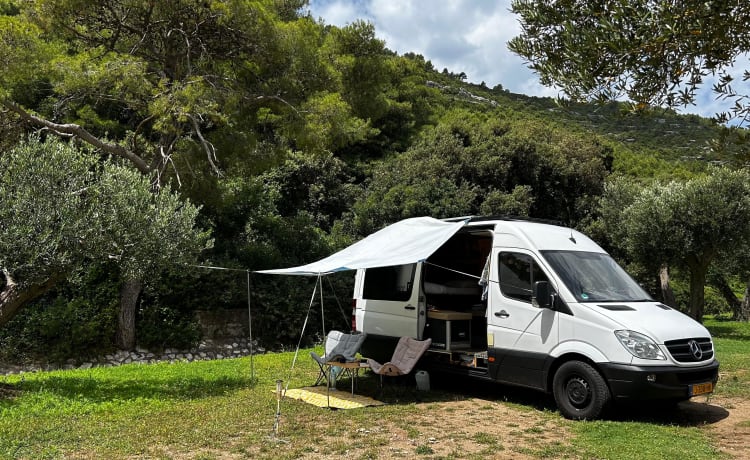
250, 329
322, 310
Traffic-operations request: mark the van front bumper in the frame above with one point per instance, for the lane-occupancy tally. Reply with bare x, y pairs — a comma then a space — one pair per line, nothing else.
657, 382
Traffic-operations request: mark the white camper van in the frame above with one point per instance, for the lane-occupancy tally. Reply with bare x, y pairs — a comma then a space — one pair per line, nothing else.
536, 305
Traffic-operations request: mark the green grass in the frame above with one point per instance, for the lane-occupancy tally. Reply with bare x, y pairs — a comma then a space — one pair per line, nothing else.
667, 437
732, 343
206, 410
633, 439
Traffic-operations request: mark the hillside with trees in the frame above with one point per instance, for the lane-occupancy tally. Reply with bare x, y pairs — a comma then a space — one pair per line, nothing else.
246, 135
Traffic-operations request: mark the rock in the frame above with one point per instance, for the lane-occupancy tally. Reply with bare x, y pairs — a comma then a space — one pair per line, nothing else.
86, 366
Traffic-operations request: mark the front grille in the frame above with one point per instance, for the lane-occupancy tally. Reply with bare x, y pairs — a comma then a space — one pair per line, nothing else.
681, 352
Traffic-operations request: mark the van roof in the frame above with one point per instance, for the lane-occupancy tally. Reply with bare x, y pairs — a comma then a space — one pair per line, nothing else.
538, 234
472, 219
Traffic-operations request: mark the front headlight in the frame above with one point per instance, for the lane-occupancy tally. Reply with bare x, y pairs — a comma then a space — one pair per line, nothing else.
639, 345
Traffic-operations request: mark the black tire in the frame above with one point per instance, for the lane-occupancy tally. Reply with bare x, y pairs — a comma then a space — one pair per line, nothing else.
580, 391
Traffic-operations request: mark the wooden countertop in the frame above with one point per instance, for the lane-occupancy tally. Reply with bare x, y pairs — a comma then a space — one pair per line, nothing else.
449, 315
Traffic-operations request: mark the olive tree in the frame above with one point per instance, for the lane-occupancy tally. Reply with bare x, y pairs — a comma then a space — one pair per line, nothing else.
650, 52
62, 208
689, 224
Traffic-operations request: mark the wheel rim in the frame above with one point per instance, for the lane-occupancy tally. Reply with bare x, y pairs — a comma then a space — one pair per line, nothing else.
578, 391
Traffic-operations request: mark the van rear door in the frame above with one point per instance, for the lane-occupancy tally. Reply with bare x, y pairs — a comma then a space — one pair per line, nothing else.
389, 303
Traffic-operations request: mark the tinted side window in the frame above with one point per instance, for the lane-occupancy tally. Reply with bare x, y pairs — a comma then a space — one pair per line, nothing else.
518, 273
389, 283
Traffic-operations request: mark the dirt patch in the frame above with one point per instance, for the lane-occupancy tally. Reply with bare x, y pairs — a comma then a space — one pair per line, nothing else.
477, 428
468, 428
731, 434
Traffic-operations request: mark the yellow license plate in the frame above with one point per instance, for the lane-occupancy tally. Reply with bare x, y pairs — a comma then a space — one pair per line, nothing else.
701, 388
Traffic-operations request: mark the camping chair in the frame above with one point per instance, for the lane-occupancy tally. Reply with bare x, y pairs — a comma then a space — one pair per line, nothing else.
405, 357
339, 347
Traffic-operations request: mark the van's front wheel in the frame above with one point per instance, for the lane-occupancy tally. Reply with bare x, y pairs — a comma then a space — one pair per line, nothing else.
580, 391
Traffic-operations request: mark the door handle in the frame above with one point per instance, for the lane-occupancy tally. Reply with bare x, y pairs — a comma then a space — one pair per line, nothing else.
410, 307
502, 314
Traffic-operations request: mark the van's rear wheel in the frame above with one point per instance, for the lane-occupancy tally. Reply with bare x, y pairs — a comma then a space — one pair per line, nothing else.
580, 391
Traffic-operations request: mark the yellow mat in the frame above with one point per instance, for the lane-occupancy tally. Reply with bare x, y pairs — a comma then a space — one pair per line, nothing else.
339, 399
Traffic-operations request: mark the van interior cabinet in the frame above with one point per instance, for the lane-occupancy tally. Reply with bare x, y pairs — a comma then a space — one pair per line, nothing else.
449, 329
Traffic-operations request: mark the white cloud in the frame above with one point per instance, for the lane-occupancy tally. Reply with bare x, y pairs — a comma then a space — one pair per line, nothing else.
337, 13
467, 36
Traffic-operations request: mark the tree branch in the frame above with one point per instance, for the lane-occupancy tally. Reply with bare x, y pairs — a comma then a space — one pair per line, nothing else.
71, 129
207, 146
12, 298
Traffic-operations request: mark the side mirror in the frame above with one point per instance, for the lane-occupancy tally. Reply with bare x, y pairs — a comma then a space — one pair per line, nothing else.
542, 296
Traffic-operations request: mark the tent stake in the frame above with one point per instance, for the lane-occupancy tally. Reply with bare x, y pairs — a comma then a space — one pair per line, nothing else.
275, 434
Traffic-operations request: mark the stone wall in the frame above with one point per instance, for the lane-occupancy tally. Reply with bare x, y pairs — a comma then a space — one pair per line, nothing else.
224, 332
208, 349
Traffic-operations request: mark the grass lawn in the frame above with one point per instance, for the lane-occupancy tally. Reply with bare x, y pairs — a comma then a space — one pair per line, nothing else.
213, 409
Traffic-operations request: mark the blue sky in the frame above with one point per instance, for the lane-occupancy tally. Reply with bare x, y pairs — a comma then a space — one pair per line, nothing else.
463, 36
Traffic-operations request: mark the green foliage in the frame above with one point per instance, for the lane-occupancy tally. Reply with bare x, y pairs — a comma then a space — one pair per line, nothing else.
76, 320
156, 81
329, 124
46, 211
472, 163
25, 55
692, 219
516, 203
61, 209
683, 224
651, 53
9, 8
322, 186
148, 230
296, 138
359, 58
160, 327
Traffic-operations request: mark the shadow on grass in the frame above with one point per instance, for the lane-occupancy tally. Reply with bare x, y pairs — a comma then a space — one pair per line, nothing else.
727, 332
445, 388
103, 390
8, 391
685, 414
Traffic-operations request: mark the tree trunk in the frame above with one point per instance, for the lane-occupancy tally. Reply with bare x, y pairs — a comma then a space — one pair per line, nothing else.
743, 312
697, 295
12, 299
667, 295
129, 292
721, 285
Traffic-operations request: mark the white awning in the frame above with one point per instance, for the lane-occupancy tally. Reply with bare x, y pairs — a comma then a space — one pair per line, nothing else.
408, 241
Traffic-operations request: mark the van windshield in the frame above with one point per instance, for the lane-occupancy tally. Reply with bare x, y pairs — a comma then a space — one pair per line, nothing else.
595, 277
